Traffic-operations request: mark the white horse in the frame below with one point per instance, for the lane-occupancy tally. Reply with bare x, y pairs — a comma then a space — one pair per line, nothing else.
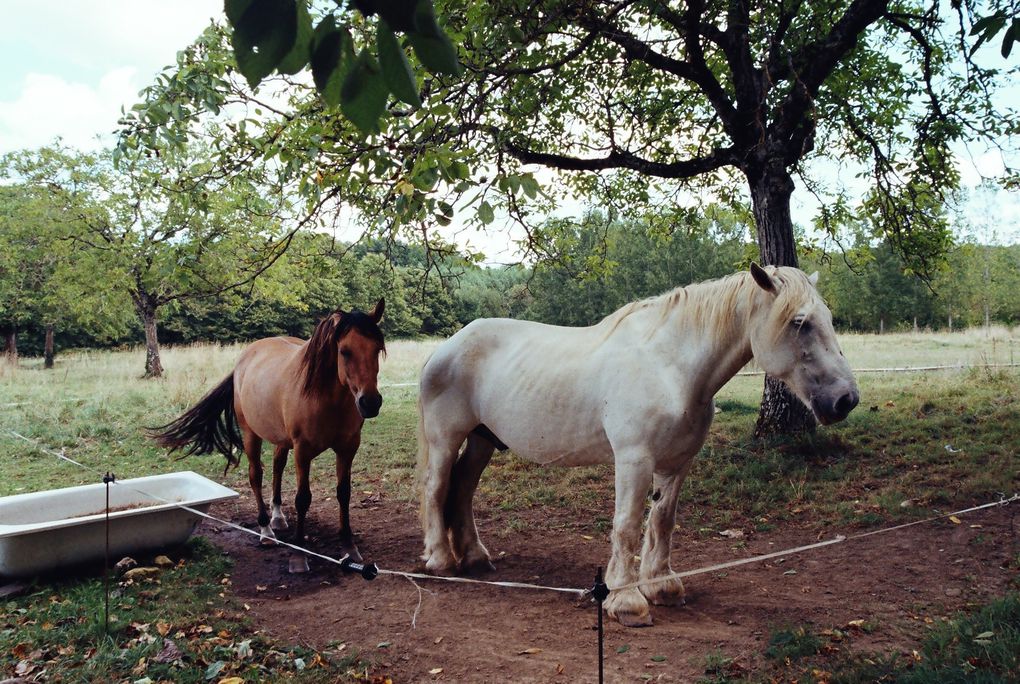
634, 390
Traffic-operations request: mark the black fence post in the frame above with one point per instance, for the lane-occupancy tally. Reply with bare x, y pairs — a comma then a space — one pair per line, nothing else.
107, 480
600, 592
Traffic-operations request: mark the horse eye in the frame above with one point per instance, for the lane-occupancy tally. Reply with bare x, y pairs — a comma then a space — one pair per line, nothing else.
346, 353
801, 324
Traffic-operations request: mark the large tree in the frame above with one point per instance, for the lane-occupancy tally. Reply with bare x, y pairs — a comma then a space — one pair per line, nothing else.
638, 102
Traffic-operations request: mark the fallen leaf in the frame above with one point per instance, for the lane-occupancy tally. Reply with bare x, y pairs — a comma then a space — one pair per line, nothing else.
790, 572
214, 669
169, 653
163, 628
623, 649
384, 644
435, 670
439, 639
856, 623
658, 658
587, 536
529, 651
231, 680
732, 534
954, 520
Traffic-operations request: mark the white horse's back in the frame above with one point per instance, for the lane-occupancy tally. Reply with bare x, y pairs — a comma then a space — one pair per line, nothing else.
535, 387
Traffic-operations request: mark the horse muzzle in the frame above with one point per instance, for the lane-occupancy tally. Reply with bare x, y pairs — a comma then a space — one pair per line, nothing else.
831, 410
369, 405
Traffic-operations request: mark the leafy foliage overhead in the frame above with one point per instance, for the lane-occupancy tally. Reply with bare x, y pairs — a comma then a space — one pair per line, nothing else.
278, 35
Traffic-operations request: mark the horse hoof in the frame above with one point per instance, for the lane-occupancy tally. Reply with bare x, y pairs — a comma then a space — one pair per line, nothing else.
266, 537
435, 566
629, 608
298, 565
352, 553
631, 620
278, 524
666, 593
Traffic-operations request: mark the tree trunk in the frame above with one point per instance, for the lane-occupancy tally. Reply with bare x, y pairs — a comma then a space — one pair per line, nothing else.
147, 309
781, 413
11, 348
48, 347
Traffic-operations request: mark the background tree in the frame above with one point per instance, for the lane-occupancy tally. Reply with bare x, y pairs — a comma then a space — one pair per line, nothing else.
159, 228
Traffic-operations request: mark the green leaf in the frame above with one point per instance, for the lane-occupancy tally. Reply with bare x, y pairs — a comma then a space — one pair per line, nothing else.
332, 52
264, 33
395, 68
623, 649
1012, 35
363, 95
399, 14
658, 659
431, 44
299, 55
485, 213
424, 180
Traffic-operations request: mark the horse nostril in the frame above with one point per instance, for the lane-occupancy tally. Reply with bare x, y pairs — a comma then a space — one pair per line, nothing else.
369, 405
846, 403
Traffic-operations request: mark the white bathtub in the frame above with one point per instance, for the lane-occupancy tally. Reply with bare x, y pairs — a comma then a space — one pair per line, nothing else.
41, 531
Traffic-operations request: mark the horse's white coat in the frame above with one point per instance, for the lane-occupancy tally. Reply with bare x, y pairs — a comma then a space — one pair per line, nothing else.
634, 390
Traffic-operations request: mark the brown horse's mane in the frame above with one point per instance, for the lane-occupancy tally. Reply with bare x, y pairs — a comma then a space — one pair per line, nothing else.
319, 359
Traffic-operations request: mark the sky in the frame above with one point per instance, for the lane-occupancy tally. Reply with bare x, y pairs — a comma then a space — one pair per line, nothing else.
70, 66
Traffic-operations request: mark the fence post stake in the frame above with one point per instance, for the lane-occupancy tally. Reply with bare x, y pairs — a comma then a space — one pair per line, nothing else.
600, 592
107, 479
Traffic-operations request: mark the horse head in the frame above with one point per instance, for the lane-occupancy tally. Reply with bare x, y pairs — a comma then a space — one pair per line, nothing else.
792, 339
346, 346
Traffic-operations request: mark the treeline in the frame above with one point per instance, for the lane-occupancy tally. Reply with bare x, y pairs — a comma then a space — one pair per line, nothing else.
586, 270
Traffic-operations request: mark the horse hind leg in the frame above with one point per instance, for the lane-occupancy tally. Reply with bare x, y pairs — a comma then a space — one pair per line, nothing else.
658, 541
253, 449
279, 520
459, 512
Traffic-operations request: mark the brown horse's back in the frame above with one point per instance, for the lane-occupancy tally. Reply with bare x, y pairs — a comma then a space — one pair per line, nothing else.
267, 387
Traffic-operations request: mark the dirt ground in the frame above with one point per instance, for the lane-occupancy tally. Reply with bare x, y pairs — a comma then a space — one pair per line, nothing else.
899, 583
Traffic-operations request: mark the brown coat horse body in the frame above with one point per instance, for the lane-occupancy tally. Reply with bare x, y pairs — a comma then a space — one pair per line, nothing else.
306, 396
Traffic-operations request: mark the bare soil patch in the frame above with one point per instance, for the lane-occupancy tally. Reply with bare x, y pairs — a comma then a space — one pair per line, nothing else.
898, 583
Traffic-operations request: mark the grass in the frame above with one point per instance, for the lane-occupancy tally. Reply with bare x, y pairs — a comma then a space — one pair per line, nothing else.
918, 443
181, 627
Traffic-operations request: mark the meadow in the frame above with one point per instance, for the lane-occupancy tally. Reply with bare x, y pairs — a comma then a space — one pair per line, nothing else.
918, 444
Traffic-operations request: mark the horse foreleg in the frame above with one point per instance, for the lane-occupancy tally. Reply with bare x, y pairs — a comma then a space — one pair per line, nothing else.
344, 459
438, 554
253, 449
279, 520
658, 538
633, 477
302, 502
459, 512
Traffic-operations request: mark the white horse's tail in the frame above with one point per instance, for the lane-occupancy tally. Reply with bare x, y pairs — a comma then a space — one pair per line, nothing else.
423, 460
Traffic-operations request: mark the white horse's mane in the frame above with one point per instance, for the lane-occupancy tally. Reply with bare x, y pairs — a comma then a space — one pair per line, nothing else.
707, 303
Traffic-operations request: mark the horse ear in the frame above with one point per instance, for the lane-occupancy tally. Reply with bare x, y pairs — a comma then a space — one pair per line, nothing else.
377, 312
813, 279
763, 279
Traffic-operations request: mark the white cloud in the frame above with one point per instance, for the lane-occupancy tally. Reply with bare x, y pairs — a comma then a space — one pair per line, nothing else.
49, 106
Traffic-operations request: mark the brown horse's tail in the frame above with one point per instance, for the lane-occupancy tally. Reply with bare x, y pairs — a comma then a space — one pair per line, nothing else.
208, 426
423, 460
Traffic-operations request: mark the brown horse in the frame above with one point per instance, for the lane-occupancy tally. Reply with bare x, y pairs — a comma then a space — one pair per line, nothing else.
306, 396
